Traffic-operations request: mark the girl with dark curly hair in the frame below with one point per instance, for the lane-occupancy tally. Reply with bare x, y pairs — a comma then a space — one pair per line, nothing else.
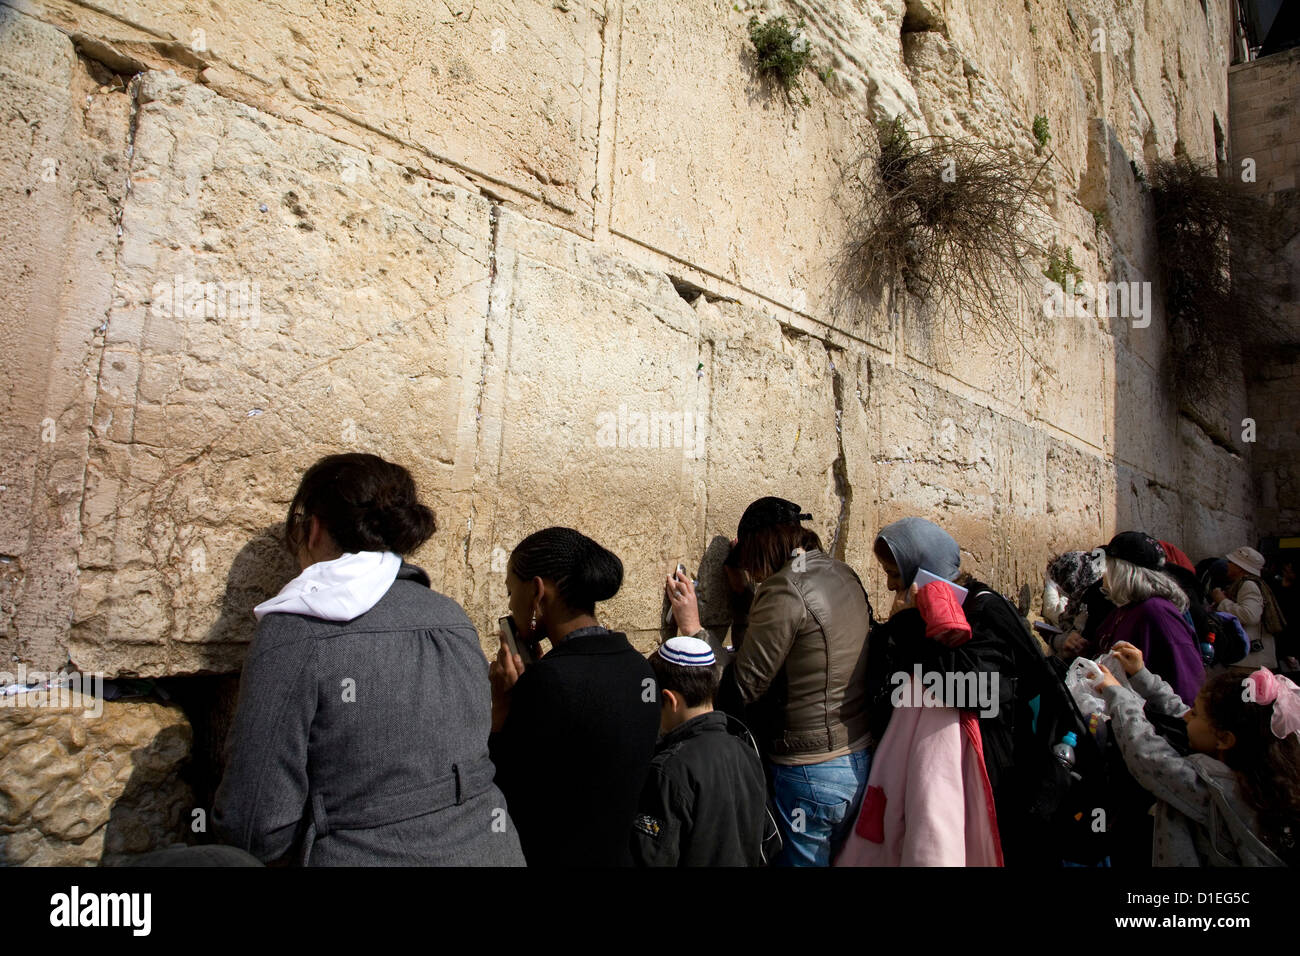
1234, 801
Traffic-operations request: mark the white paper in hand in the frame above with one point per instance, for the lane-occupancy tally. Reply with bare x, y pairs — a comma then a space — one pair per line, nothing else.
924, 577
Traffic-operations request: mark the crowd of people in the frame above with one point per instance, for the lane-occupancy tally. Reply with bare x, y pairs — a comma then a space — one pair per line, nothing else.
370, 730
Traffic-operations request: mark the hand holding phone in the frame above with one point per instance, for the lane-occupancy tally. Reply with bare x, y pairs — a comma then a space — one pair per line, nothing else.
510, 639
504, 672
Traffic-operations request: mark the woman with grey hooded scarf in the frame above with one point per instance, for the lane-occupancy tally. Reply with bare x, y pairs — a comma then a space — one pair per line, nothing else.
1000, 646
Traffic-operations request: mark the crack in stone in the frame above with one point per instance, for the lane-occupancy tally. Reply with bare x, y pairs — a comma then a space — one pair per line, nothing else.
494, 230
839, 469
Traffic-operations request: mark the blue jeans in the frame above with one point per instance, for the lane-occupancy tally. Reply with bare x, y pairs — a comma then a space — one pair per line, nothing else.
817, 806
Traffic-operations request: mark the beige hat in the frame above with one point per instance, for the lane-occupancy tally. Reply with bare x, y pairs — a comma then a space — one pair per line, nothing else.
1248, 559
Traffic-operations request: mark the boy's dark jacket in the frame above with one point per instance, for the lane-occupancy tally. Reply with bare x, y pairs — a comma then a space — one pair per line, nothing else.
705, 800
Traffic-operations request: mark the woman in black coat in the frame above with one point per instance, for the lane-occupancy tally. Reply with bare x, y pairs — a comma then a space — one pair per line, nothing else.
573, 733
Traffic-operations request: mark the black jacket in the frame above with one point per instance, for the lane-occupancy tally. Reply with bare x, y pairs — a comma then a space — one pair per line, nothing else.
705, 800
573, 754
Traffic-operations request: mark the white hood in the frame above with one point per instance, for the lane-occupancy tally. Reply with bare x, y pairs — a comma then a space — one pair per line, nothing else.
337, 590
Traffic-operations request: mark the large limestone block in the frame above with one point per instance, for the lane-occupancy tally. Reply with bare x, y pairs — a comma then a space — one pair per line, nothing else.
1145, 426
507, 92
935, 457
1071, 378
1213, 472
61, 174
1143, 503
774, 421
83, 779
362, 330
739, 182
593, 417
1212, 532
1079, 493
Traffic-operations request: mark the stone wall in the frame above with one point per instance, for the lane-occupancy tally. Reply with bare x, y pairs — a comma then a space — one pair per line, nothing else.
1265, 153
471, 239
84, 780
1274, 399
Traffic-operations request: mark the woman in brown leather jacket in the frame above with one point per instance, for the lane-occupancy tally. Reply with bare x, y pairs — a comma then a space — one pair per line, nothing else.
804, 655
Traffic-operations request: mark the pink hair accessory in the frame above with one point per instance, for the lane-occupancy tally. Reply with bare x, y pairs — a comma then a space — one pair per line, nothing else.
1284, 695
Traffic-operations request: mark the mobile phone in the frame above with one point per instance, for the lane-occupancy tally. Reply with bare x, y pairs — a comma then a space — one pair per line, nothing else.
924, 577
511, 636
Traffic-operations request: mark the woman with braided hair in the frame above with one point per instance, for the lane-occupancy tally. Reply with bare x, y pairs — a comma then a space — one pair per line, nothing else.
572, 734
360, 737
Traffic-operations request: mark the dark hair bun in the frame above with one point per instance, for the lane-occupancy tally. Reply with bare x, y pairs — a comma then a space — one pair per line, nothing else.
584, 572
401, 527
365, 503
596, 576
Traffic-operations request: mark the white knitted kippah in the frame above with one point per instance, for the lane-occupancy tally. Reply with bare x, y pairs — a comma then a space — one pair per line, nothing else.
687, 651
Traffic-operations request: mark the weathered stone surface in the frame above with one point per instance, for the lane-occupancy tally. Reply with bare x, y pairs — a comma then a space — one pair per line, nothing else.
1274, 398
365, 336
506, 93
579, 343
62, 179
1265, 143
469, 273
82, 780
743, 181
572, 263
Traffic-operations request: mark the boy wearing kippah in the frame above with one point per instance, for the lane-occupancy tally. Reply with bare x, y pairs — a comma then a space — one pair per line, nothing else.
705, 800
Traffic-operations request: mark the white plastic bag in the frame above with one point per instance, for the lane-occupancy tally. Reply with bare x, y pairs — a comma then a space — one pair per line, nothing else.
1081, 680
1112, 663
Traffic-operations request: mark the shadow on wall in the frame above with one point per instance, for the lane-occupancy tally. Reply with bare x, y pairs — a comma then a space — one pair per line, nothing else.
155, 807
258, 572
717, 610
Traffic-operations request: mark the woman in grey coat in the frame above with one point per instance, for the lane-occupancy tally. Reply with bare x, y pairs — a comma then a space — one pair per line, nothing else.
360, 736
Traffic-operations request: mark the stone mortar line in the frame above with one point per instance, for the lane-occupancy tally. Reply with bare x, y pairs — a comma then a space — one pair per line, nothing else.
489, 349
1203, 427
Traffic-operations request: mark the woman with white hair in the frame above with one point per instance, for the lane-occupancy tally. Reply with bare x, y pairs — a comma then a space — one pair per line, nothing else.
1150, 612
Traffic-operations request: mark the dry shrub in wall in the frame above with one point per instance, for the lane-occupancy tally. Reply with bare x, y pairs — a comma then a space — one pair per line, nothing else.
1212, 239
955, 221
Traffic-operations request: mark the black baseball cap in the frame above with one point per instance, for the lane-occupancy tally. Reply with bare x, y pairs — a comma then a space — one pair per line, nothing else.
1137, 547
767, 513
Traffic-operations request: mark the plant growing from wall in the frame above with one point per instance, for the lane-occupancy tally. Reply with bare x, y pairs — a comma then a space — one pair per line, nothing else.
783, 52
951, 218
1061, 269
1211, 237
1041, 132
